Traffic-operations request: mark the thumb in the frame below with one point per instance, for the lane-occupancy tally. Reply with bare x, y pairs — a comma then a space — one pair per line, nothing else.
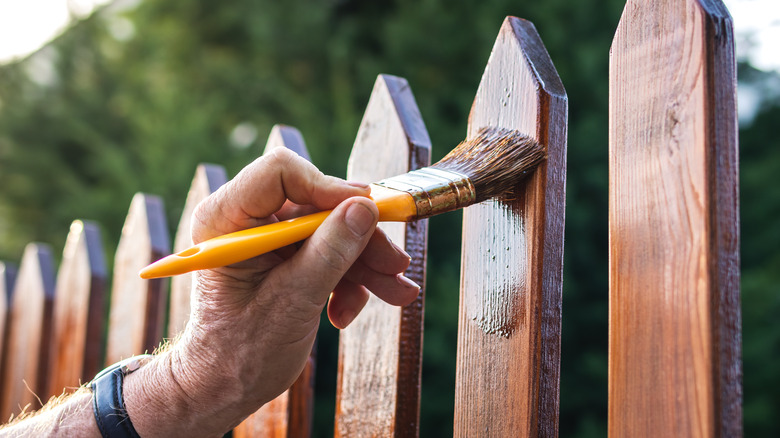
318, 266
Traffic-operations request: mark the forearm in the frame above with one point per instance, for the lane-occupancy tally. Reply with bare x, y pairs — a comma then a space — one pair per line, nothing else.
69, 416
163, 398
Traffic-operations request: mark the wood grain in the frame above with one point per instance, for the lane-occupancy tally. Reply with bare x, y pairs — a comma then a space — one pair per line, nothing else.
508, 360
79, 313
7, 280
135, 322
24, 376
674, 365
380, 353
291, 414
208, 178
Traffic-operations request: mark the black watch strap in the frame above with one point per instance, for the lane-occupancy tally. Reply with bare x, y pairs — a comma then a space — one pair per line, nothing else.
108, 402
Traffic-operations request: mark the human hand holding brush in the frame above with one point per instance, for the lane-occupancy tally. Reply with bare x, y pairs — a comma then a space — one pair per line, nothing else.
252, 324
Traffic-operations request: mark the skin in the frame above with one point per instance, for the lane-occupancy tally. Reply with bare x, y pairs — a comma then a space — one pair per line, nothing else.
253, 324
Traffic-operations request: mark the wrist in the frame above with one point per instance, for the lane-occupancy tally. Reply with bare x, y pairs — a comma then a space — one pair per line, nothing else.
191, 390
164, 398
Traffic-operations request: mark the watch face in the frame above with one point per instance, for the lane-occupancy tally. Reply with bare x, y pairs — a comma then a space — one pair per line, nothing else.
127, 365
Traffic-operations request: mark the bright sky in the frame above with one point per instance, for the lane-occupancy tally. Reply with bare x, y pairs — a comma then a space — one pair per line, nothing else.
25, 25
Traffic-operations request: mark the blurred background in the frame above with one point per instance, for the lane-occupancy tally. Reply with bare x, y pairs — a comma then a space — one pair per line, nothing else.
102, 100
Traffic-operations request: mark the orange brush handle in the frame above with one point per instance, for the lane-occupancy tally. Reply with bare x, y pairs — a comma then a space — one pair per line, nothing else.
242, 245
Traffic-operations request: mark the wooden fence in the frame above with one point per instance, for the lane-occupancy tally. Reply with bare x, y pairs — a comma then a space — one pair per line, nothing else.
674, 358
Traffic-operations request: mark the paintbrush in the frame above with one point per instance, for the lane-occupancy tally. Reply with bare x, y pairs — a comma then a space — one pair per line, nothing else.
478, 169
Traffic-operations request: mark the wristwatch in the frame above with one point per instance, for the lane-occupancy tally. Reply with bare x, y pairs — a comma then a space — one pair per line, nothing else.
108, 402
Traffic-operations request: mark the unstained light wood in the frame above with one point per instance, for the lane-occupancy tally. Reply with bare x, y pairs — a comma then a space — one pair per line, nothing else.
208, 178
291, 414
135, 323
674, 336
25, 371
508, 359
79, 312
380, 353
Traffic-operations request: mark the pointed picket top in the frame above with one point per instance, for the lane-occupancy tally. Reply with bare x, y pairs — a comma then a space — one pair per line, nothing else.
378, 391
29, 325
391, 115
674, 338
208, 178
290, 415
507, 378
138, 306
79, 312
288, 137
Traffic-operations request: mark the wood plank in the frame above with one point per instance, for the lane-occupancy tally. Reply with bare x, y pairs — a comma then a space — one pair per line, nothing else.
135, 322
208, 178
79, 313
508, 360
291, 414
7, 280
674, 340
380, 353
24, 376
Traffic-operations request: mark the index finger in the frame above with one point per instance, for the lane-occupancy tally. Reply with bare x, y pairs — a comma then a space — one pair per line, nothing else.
262, 187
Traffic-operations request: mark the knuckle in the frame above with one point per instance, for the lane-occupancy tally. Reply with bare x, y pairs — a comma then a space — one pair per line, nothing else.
335, 257
281, 154
201, 219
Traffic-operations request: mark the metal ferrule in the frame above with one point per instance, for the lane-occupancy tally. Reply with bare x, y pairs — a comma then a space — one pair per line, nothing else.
434, 190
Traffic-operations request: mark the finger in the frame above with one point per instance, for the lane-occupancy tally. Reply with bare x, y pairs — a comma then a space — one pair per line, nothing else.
261, 188
392, 288
325, 257
292, 210
346, 301
282, 174
381, 254
384, 256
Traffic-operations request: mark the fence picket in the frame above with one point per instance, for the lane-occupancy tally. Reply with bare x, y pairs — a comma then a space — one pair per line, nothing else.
79, 312
24, 374
7, 281
138, 306
674, 340
208, 178
288, 137
508, 358
380, 353
291, 414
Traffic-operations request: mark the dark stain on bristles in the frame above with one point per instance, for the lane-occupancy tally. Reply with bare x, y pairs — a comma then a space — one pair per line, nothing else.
495, 160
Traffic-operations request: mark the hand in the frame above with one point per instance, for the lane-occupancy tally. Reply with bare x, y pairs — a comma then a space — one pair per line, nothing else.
253, 324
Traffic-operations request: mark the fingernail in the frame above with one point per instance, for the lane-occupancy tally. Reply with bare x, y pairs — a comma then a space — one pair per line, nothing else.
357, 184
397, 248
401, 251
346, 317
407, 283
359, 219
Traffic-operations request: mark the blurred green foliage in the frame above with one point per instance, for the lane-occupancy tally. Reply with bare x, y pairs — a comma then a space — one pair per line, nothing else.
132, 100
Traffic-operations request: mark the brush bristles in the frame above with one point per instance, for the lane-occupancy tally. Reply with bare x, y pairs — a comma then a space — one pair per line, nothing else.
495, 160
